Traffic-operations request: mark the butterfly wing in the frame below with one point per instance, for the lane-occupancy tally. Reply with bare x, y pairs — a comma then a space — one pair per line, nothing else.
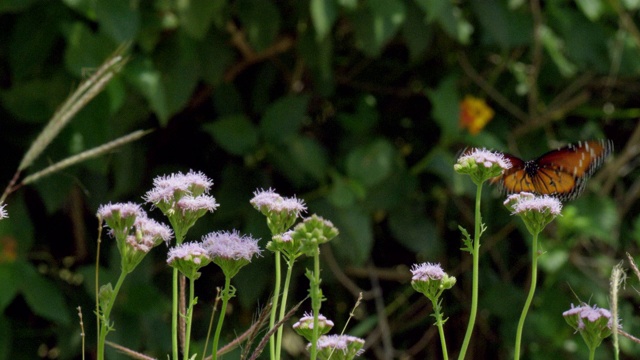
515, 179
562, 173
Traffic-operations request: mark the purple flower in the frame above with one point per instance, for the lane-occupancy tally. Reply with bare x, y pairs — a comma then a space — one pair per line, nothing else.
281, 212
121, 210
154, 230
485, 158
230, 250
188, 258
481, 165
230, 245
536, 211
188, 251
3, 213
182, 198
202, 202
541, 204
171, 187
580, 315
427, 271
339, 347
264, 200
149, 233
304, 326
430, 280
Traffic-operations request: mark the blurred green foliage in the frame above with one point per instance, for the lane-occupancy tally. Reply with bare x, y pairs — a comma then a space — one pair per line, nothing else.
352, 105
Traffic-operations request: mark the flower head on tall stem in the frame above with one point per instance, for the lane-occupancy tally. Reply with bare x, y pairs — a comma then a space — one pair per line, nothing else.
230, 250
183, 198
313, 232
481, 164
304, 326
430, 280
593, 323
281, 212
135, 233
148, 234
339, 347
188, 258
536, 211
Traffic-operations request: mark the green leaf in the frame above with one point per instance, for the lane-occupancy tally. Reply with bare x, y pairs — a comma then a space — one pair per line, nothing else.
196, 16
179, 64
323, 15
372, 163
11, 6
118, 18
309, 156
35, 100
234, 133
42, 296
215, 57
284, 118
85, 49
144, 75
555, 48
318, 55
32, 39
353, 245
345, 192
413, 228
450, 18
592, 9
84, 7
415, 32
260, 20
377, 25
502, 27
365, 118
446, 107
9, 283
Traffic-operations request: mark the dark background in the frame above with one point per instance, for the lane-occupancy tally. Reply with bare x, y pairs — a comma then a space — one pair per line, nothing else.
354, 107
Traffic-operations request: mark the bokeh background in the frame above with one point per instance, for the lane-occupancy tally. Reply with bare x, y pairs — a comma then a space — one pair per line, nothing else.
359, 107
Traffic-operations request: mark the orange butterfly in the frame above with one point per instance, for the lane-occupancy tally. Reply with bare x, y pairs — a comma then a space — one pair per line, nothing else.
562, 173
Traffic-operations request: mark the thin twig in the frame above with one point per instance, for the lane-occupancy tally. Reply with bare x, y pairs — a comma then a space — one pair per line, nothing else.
253, 331
87, 90
494, 94
383, 322
536, 60
132, 354
634, 267
270, 333
85, 155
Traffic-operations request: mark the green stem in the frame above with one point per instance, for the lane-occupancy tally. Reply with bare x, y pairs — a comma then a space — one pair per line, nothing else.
440, 324
532, 290
223, 310
474, 289
187, 338
283, 305
174, 309
274, 306
316, 303
592, 353
174, 315
104, 324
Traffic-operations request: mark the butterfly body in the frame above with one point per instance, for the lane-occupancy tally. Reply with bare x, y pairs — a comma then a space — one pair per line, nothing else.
562, 173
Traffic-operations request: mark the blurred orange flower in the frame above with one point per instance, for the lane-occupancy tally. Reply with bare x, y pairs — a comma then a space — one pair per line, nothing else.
8, 249
474, 114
